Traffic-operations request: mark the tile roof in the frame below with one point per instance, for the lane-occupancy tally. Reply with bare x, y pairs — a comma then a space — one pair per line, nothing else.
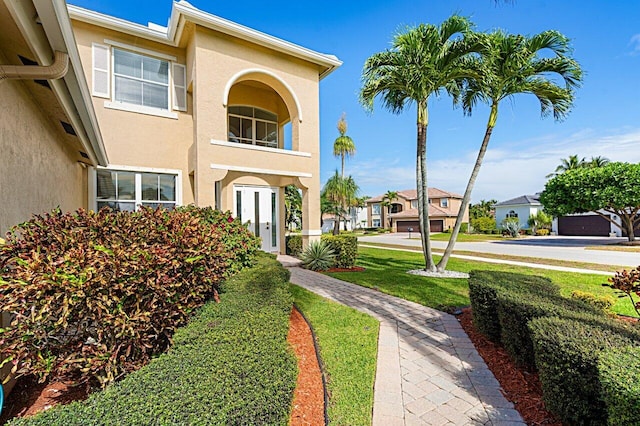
412, 194
434, 211
523, 199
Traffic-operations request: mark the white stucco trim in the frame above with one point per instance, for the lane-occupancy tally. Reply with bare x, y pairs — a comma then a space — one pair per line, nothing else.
312, 232
122, 106
260, 148
238, 75
260, 171
182, 11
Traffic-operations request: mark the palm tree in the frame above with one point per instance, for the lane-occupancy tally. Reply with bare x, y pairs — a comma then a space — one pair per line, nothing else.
566, 164
509, 65
343, 146
423, 61
292, 206
387, 201
598, 161
337, 194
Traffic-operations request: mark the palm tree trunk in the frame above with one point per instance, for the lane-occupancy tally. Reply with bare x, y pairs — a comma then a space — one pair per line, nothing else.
442, 265
423, 193
342, 169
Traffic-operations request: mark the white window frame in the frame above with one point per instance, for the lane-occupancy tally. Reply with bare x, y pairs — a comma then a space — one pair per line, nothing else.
375, 207
253, 119
172, 87
414, 204
444, 202
93, 183
373, 223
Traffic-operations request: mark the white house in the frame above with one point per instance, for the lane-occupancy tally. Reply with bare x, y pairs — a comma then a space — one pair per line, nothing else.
520, 207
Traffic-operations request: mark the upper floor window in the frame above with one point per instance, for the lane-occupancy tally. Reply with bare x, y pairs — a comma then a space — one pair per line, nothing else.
140, 80
135, 79
414, 204
444, 202
253, 126
375, 208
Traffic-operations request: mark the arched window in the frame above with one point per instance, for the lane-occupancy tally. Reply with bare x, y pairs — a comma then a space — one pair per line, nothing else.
512, 213
253, 126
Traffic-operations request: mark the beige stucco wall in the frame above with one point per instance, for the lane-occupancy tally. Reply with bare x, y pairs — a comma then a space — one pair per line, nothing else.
37, 172
135, 139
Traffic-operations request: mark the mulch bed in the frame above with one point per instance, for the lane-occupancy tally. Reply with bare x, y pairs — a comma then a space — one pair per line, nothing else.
352, 269
519, 386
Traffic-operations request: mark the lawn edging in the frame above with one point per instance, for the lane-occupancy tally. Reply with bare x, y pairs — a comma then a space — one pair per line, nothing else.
230, 365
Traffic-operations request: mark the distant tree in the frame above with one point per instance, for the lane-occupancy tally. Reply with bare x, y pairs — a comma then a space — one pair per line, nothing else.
540, 220
598, 161
387, 201
292, 206
482, 209
566, 164
613, 188
422, 62
510, 65
337, 194
343, 146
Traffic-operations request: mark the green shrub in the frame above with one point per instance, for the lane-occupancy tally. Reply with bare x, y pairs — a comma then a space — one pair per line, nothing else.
345, 248
464, 227
567, 353
294, 244
483, 289
516, 310
483, 224
601, 303
512, 226
94, 296
619, 375
318, 256
231, 365
542, 232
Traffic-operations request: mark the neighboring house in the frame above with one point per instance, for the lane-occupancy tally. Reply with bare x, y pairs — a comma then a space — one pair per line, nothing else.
402, 214
520, 207
49, 132
589, 225
195, 112
357, 219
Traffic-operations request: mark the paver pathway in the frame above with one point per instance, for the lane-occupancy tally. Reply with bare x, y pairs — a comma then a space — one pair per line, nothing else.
428, 371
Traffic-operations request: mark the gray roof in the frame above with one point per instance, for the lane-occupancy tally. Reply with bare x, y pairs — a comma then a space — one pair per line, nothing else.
523, 199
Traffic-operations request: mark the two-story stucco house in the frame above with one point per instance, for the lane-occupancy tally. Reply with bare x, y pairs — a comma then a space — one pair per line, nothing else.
199, 112
401, 214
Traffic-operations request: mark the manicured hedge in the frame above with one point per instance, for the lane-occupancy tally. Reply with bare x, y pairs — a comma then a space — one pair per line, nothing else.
484, 287
95, 295
294, 244
515, 310
619, 374
567, 353
345, 248
230, 365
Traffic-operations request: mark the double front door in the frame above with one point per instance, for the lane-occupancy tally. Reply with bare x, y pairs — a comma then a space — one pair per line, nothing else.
258, 207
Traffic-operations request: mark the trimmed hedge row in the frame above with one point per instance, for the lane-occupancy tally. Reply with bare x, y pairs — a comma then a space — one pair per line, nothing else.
230, 365
345, 248
484, 287
619, 373
567, 353
294, 244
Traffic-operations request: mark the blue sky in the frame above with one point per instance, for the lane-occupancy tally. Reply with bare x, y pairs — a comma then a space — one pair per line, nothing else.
524, 148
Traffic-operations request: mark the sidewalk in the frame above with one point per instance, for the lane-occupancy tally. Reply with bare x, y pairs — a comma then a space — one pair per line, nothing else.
428, 371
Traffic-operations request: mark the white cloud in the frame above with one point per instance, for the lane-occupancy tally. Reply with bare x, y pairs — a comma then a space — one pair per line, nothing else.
635, 44
508, 170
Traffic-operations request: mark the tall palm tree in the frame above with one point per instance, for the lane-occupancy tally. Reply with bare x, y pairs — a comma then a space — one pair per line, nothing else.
387, 201
566, 164
598, 161
338, 193
509, 65
423, 61
343, 146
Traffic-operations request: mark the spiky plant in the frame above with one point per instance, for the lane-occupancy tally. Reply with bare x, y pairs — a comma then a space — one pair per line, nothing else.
318, 256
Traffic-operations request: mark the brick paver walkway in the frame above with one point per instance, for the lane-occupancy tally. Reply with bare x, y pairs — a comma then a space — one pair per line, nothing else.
428, 371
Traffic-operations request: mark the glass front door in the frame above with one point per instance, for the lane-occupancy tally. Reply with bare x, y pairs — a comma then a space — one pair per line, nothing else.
257, 206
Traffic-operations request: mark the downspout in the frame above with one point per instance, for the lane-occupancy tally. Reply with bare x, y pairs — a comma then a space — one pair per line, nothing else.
54, 71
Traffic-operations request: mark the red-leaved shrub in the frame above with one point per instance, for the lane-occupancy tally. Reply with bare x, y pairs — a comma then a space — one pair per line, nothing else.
94, 296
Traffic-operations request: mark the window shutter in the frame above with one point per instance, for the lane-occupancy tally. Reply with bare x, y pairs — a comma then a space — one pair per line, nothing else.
179, 87
101, 77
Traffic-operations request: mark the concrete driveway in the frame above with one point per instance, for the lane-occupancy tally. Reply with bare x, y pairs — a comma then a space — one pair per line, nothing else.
552, 247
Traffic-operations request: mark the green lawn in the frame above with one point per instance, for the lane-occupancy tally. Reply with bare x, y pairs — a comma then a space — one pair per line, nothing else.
386, 271
463, 238
348, 342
